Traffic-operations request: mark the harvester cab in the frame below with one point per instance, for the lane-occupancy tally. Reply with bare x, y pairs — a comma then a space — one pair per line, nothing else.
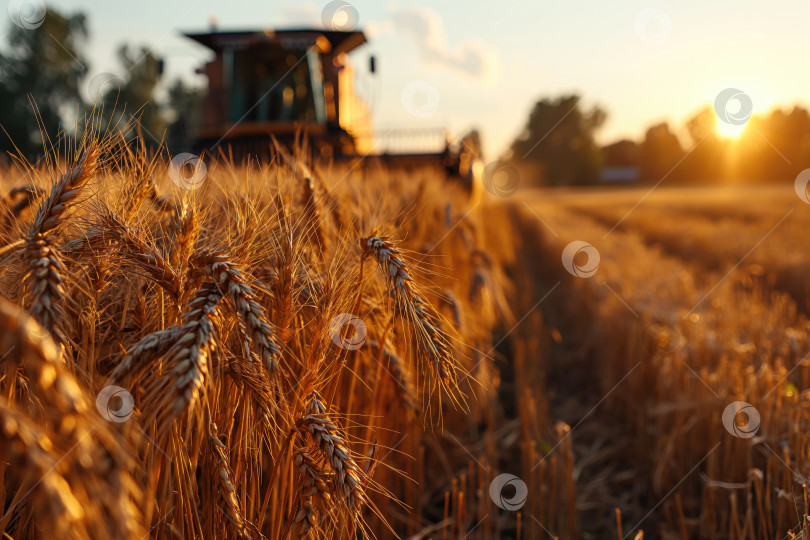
283, 84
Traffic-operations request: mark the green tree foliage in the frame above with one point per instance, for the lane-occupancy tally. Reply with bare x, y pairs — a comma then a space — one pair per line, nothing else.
43, 66
185, 106
45, 70
129, 100
559, 137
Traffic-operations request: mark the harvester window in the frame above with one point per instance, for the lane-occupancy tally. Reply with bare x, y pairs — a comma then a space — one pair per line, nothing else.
276, 86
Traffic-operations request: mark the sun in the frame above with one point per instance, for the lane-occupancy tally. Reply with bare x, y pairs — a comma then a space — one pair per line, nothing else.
730, 131
735, 105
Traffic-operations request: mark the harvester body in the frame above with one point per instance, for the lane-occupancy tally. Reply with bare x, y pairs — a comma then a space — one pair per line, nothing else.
291, 84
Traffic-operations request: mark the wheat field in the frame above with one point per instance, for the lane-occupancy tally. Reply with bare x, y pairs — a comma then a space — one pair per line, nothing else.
699, 301
305, 350
261, 354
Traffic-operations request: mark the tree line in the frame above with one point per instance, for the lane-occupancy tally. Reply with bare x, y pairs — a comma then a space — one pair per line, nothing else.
558, 146
46, 88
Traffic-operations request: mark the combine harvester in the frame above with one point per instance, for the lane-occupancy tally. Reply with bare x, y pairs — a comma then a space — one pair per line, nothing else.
299, 84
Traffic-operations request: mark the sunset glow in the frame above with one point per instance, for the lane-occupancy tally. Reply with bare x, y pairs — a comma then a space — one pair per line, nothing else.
730, 131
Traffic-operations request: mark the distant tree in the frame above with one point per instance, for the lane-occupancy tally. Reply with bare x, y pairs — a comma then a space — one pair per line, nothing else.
660, 153
768, 149
708, 159
622, 153
772, 145
702, 124
559, 136
184, 111
43, 65
131, 99
471, 143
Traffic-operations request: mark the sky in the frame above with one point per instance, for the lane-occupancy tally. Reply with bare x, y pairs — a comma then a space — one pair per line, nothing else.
463, 64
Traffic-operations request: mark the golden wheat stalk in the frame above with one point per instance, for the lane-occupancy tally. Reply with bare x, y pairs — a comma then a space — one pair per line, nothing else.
228, 276
397, 371
188, 359
235, 523
65, 192
314, 482
88, 451
141, 256
43, 279
30, 455
331, 442
421, 314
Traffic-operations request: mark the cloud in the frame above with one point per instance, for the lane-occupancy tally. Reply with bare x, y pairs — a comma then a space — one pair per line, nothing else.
472, 57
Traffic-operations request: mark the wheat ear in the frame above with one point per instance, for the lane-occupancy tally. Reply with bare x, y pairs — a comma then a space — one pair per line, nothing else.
188, 357
28, 451
254, 380
141, 356
314, 481
43, 279
331, 442
423, 315
312, 212
140, 254
186, 225
65, 192
312, 192
60, 403
228, 277
43, 283
284, 270
195, 340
